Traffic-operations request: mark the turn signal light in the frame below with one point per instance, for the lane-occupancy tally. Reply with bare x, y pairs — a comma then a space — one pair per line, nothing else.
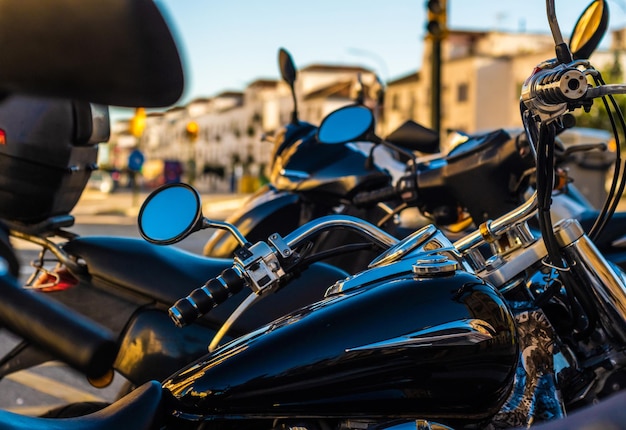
57, 280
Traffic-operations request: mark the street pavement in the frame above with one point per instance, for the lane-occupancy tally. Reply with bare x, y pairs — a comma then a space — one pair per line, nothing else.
99, 213
124, 206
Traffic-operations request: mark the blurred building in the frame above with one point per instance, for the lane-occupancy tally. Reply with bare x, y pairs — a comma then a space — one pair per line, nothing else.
482, 77
219, 140
226, 142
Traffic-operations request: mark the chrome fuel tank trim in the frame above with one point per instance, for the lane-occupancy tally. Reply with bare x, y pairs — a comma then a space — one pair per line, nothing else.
456, 333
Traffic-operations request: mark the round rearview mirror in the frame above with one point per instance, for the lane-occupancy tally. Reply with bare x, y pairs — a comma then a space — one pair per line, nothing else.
170, 214
346, 124
287, 66
589, 29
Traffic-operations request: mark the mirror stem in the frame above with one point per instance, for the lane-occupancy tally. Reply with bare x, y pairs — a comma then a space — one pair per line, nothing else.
294, 113
369, 161
207, 223
407, 153
563, 53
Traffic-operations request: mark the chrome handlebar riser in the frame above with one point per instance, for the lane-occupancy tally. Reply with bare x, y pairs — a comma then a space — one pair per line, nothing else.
500, 225
319, 225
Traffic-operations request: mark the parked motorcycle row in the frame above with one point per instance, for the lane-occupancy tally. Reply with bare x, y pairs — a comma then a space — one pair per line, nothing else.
324, 308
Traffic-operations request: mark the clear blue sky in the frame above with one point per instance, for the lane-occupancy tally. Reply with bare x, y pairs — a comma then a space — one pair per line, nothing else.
227, 44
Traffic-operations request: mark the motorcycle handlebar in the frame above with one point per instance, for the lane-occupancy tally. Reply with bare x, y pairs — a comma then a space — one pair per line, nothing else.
203, 299
366, 198
69, 336
405, 189
560, 86
566, 85
604, 90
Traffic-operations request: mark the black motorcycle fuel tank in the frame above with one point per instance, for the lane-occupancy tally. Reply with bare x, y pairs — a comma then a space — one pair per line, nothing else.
402, 346
327, 170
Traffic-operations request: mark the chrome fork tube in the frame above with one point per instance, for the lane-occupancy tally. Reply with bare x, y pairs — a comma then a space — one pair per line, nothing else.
597, 275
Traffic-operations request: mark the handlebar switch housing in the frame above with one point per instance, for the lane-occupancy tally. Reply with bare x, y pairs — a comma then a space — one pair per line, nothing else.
261, 267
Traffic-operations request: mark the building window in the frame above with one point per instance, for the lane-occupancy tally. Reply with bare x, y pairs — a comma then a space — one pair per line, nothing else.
395, 102
462, 93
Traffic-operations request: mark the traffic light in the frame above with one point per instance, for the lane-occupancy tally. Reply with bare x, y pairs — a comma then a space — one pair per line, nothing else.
138, 122
191, 130
436, 25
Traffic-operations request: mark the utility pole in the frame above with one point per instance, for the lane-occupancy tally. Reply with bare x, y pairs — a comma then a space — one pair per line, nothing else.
437, 31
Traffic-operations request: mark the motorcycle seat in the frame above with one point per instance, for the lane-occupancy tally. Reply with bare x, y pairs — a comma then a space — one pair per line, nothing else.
164, 273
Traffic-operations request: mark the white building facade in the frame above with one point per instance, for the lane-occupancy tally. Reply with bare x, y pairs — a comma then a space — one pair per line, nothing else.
482, 75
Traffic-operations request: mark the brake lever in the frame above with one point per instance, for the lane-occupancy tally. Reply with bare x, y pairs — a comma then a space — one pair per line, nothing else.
583, 147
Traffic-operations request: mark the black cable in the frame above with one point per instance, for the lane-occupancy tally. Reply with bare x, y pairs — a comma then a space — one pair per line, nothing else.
545, 184
541, 138
344, 249
622, 181
618, 167
612, 199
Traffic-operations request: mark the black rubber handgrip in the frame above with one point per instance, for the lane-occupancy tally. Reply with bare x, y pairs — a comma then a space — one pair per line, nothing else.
372, 197
57, 329
203, 299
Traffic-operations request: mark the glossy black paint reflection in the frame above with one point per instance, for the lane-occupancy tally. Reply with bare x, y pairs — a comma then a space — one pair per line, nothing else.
330, 171
153, 348
267, 210
312, 362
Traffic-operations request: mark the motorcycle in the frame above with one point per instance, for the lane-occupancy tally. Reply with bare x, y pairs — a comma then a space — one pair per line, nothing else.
430, 332
123, 284
77, 84
309, 179
361, 177
139, 281
93, 274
